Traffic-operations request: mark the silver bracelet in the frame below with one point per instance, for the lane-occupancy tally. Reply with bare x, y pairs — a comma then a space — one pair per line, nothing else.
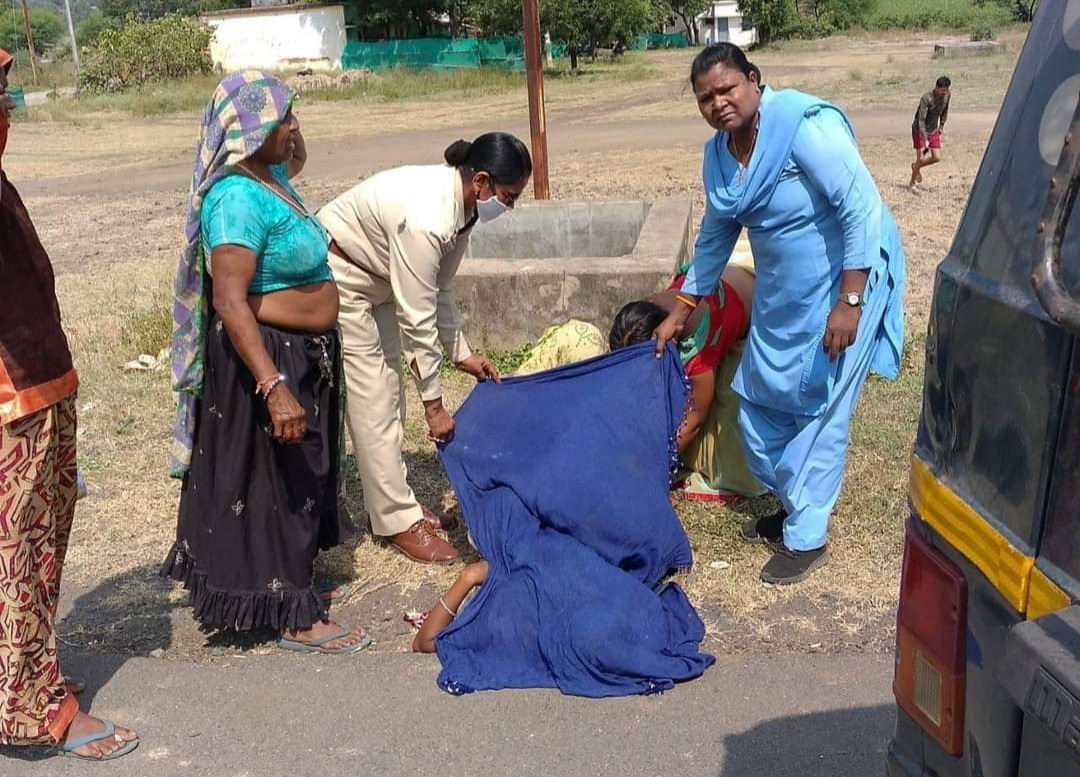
445, 607
264, 388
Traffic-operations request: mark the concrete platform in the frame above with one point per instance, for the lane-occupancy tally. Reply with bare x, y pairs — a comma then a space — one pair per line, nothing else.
967, 48
551, 261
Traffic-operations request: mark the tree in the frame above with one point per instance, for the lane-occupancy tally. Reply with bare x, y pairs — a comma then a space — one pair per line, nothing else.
840, 14
402, 18
1025, 9
46, 28
118, 11
164, 49
579, 24
1021, 10
770, 17
688, 11
80, 9
90, 28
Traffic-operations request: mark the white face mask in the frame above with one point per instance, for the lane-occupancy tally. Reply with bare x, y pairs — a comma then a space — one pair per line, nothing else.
490, 209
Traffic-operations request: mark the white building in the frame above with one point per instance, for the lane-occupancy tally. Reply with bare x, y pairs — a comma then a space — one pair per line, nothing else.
278, 37
722, 22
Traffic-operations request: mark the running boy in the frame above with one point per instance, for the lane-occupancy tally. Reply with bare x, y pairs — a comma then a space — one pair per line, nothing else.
927, 129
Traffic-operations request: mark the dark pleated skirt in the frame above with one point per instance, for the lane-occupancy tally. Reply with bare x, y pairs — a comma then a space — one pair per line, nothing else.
253, 512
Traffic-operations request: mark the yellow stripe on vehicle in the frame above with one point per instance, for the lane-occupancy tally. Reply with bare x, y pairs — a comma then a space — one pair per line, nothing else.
1045, 597
1004, 566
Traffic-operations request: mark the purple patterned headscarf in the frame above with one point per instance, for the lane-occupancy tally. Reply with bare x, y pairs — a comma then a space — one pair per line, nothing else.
245, 109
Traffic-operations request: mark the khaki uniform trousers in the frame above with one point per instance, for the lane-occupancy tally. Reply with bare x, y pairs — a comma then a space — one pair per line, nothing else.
375, 408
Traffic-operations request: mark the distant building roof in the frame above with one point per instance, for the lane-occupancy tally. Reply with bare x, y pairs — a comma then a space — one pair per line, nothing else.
266, 10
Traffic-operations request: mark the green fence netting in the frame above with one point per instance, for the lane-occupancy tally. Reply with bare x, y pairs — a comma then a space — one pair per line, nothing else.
506, 52
656, 40
439, 53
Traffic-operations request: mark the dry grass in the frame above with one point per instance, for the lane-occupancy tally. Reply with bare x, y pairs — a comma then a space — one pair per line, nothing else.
881, 73
96, 135
116, 256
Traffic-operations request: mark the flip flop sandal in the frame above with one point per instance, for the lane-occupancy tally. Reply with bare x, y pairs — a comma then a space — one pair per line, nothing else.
68, 748
318, 645
331, 592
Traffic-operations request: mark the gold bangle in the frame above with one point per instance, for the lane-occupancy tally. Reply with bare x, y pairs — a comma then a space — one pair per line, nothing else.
690, 302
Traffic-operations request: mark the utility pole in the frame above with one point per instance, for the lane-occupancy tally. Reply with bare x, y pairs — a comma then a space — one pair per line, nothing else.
74, 43
30, 41
534, 72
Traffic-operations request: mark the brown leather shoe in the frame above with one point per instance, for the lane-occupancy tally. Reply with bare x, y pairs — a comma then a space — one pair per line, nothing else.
421, 543
438, 521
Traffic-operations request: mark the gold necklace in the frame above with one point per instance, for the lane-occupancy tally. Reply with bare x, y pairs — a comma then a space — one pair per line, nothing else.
274, 189
740, 173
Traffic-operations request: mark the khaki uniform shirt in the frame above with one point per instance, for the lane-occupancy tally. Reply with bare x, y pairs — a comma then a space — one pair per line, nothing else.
407, 226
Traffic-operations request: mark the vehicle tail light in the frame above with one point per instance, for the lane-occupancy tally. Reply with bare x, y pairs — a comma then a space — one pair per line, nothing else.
931, 628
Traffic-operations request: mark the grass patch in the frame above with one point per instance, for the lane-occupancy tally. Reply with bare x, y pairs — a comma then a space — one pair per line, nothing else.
401, 84
51, 75
507, 362
406, 84
182, 95
919, 14
147, 331
981, 81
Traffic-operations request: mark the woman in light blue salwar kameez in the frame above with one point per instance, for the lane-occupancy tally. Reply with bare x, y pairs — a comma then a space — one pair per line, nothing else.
827, 306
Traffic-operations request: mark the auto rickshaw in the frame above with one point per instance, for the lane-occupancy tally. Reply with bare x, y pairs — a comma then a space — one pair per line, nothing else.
987, 676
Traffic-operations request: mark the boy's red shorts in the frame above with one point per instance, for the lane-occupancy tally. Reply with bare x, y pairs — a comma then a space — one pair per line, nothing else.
920, 142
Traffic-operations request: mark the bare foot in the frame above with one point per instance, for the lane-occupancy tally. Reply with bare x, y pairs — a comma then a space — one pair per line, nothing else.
322, 630
916, 172
85, 725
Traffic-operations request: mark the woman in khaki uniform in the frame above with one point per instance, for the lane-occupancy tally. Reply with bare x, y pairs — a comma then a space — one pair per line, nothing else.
397, 242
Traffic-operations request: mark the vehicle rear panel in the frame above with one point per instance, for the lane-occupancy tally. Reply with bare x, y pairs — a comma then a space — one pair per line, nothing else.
996, 479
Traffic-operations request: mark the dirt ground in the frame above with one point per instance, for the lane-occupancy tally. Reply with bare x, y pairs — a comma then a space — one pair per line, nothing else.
107, 195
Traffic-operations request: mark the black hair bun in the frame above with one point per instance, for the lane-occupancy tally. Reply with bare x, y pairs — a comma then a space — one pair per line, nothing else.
457, 153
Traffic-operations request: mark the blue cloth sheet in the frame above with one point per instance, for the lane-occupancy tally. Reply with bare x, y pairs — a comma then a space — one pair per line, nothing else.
563, 481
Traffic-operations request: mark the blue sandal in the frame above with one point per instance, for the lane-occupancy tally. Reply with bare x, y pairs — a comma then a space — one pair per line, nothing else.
317, 645
332, 593
68, 748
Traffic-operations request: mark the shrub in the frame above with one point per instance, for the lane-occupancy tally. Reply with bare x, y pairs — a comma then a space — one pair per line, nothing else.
45, 26
987, 20
139, 53
809, 27
770, 17
844, 14
982, 31
91, 28
826, 17
921, 15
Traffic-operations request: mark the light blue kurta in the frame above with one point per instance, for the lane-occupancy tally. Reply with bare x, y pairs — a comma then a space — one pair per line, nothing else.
812, 211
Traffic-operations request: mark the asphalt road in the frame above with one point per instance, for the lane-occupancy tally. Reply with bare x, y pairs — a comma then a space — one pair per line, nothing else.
382, 714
